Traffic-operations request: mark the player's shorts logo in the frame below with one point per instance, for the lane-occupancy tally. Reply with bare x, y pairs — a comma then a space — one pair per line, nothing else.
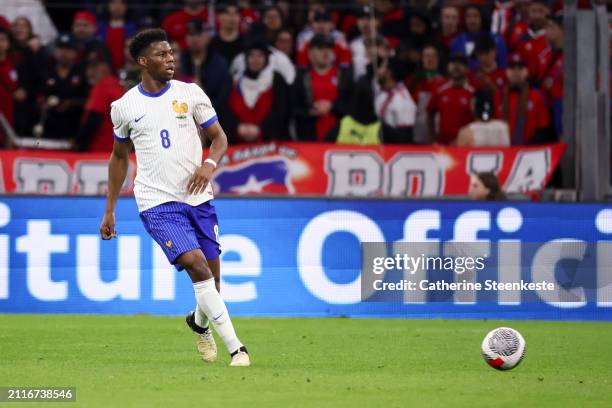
169, 244
180, 109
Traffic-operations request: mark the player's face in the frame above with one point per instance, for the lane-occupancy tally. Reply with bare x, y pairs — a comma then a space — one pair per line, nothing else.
159, 61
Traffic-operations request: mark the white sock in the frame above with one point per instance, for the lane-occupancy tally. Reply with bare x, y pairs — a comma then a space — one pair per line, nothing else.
210, 302
200, 318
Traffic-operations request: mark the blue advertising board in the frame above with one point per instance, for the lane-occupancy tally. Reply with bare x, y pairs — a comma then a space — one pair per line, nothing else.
281, 256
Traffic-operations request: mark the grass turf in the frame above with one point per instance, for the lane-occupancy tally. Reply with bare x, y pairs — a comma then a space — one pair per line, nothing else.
148, 361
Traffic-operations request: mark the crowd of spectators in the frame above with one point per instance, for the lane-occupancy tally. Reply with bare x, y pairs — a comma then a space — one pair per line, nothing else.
455, 72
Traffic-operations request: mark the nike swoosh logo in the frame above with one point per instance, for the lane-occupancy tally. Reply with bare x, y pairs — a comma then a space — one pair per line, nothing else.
136, 120
217, 318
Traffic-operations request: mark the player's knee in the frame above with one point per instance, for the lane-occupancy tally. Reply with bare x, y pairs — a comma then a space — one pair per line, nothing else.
195, 263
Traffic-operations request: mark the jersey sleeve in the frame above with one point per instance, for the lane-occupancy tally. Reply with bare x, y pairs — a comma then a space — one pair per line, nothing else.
121, 128
203, 111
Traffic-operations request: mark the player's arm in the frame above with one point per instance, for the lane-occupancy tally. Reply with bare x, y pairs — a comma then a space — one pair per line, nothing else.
216, 151
117, 171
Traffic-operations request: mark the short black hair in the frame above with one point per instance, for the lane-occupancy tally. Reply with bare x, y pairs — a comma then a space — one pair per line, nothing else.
145, 38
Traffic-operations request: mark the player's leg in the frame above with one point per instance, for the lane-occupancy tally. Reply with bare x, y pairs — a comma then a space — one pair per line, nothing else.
169, 225
204, 221
199, 318
199, 324
203, 218
209, 301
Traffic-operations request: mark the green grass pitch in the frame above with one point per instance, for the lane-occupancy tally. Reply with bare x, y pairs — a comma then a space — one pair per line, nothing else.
148, 361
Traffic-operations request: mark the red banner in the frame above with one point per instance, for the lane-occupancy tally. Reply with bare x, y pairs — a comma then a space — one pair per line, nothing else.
305, 169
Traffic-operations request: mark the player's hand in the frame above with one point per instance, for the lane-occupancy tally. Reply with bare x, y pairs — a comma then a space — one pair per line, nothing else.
199, 180
107, 229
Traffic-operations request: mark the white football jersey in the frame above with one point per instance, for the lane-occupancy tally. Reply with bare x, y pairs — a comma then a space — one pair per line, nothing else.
164, 130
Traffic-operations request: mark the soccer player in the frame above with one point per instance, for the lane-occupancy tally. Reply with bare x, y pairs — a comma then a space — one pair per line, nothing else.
160, 118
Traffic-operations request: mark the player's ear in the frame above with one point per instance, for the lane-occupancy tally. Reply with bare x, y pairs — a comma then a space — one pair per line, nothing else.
142, 60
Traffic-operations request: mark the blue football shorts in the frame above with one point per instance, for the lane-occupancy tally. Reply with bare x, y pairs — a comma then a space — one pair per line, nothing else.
178, 228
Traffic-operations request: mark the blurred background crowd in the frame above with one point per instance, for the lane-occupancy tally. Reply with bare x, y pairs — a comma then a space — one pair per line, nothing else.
456, 72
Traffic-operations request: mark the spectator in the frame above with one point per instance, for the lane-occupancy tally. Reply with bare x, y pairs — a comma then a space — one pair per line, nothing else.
8, 80
393, 25
36, 13
316, 7
284, 42
428, 76
207, 69
248, 15
259, 103
484, 131
272, 20
84, 30
129, 75
24, 36
367, 29
393, 104
64, 91
28, 57
449, 25
451, 102
323, 24
510, 21
485, 186
4, 23
115, 31
175, 24
422, 85
532, 44
522, 107
278, 60
322, 93
488, 76
228, 42
95, 133
419, 28
348, 25
360, 126
504, 16
474, 30
550, 72
377, 50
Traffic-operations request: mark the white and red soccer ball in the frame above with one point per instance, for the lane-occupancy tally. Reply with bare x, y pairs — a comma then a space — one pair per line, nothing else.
503, 348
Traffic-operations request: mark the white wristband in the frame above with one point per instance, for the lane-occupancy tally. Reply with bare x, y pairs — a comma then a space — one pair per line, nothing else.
211, 161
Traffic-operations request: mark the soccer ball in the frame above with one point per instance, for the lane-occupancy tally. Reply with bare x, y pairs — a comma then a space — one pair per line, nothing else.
503, 348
